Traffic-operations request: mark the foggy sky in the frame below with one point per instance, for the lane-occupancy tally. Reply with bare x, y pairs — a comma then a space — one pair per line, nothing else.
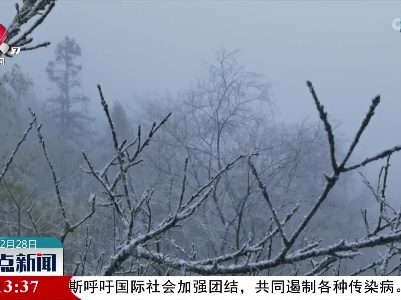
349, 51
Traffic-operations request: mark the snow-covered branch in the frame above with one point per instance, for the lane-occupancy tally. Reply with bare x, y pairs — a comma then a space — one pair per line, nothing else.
68, 227
239, 261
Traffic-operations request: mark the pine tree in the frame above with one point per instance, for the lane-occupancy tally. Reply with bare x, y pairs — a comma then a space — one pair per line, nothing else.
67, 106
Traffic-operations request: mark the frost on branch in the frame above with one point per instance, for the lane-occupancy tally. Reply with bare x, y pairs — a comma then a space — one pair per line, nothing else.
148, 222
254, 256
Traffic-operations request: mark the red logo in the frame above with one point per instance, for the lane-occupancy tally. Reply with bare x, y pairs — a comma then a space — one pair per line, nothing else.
3, 34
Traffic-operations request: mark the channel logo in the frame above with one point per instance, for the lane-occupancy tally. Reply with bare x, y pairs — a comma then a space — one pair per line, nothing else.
4, 48
397, 24
3, 36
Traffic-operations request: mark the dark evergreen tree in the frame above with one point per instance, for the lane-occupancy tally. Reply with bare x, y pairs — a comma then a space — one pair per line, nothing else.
67, 106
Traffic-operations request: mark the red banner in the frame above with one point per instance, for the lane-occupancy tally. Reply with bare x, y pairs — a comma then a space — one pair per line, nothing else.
36, 287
